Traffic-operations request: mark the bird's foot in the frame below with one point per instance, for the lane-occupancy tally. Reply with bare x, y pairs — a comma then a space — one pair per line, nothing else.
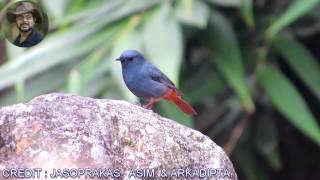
148, 106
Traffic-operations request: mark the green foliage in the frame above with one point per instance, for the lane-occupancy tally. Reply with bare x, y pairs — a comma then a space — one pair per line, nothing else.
247, 13
294, 11
166, 48
305, 65
224, 55
194, 13
289, 102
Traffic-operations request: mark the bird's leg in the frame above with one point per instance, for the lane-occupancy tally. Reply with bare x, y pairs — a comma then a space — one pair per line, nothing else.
151, 102
149, 105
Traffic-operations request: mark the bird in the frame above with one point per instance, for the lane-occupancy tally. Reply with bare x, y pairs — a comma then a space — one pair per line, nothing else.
147, 82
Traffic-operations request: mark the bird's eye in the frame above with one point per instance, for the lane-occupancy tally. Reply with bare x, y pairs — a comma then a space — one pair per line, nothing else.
130, 59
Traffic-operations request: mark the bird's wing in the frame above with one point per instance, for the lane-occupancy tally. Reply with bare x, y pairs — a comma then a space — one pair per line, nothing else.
158, 76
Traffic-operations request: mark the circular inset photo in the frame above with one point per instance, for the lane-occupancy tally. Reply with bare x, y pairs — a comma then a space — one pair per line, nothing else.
24, 24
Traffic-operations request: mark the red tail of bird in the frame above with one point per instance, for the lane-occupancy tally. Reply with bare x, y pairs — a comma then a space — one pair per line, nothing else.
182, 104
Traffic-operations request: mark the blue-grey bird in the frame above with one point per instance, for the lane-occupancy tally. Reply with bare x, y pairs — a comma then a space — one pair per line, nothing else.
148, 82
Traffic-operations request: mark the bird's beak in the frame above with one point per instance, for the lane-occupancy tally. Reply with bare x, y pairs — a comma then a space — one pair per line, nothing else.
118, 59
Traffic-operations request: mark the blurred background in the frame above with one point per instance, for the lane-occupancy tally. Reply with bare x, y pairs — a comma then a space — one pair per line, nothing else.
251, 68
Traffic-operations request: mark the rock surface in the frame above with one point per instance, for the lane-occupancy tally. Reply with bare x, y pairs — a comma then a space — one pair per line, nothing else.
74, 136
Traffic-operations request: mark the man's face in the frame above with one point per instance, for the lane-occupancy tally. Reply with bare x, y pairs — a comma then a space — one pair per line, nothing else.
25, 22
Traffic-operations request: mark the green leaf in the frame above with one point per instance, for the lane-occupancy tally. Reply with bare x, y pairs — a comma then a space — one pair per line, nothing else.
74, 82
227, 57
298, 57
163, 41
289, 102
19, 89
94, 64
55, 8
95, 73
274, 159
76, 6
247, 12
39, 85
226, 3
12, 53
90, 14
194, 12
296, 10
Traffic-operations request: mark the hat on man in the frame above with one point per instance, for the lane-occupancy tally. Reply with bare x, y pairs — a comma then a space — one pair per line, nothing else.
22, 8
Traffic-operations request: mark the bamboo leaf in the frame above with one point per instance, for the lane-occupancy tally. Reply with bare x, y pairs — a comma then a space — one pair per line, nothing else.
296, 10
95, 73
39, 85
74, 82
89, 14
274, 159
163, 42
246, 10
227, 57
12, 53
194, 12
289, 102
20, 89
93, 66
55, 8
301, 61
226, 3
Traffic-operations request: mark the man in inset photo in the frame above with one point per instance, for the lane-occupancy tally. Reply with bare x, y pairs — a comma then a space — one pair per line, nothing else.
25, 16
